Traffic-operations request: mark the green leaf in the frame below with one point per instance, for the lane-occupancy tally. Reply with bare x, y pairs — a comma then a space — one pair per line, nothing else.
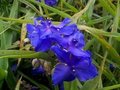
1, 83
15, 20
4, 26
107, 7
74, 85
89, 12
114, 54
18, 84
91, 84
3, 74
22, 54
100, 32
67, 85
14, 9
31, 6
61, 13
76, 16
10, 79
111, 87
70, 6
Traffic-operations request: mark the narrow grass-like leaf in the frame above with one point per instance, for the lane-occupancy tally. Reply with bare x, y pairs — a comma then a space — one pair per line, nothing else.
76, 16
70, 6
111, 4
18, 84
3, 74
4, 26
99, 20
100, 32
74, 85
111, 87
31, 6
14, 9
22, 54
67, 85
107, 7
61, 13
90, 84
112, 51
3, 62
16, 20
10, 79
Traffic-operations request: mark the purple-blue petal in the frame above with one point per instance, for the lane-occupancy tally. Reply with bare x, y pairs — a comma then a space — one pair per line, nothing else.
84, 73
34, 39
61, 54
78, 52
61, 72
80, 38
64, 23
76, 40
68, 30
40, 18
30, 28
44, 45
51, 2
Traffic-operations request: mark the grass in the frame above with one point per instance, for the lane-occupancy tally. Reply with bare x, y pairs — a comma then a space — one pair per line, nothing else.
99, 20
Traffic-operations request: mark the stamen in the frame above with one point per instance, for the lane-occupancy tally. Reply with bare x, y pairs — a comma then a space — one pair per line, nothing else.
73, 70
58, 29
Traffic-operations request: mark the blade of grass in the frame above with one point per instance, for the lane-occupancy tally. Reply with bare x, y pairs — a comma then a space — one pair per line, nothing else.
107, 7
76, 16
31, 6
111, 87
61, 13
18, 84
111, 4
10, 79
16, 20
14, 9
22, 54
111, 50
70, 6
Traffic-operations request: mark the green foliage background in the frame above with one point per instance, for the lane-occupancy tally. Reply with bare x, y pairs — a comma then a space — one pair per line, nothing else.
98, 19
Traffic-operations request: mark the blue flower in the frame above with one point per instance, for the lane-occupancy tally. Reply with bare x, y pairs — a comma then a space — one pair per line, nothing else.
67, 42
71, 66
50, 2
40, 34
71, 37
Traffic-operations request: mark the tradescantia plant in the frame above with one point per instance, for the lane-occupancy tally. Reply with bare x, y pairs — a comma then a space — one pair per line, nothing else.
67, 42
59, 44
49, 2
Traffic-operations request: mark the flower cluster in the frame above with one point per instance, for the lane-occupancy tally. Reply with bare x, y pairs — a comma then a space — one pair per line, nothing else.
67, 42
49, 2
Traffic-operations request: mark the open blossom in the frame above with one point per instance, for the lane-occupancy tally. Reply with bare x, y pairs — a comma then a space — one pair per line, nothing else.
71, 37
67, 42
70, 66
40, 34
50, 2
